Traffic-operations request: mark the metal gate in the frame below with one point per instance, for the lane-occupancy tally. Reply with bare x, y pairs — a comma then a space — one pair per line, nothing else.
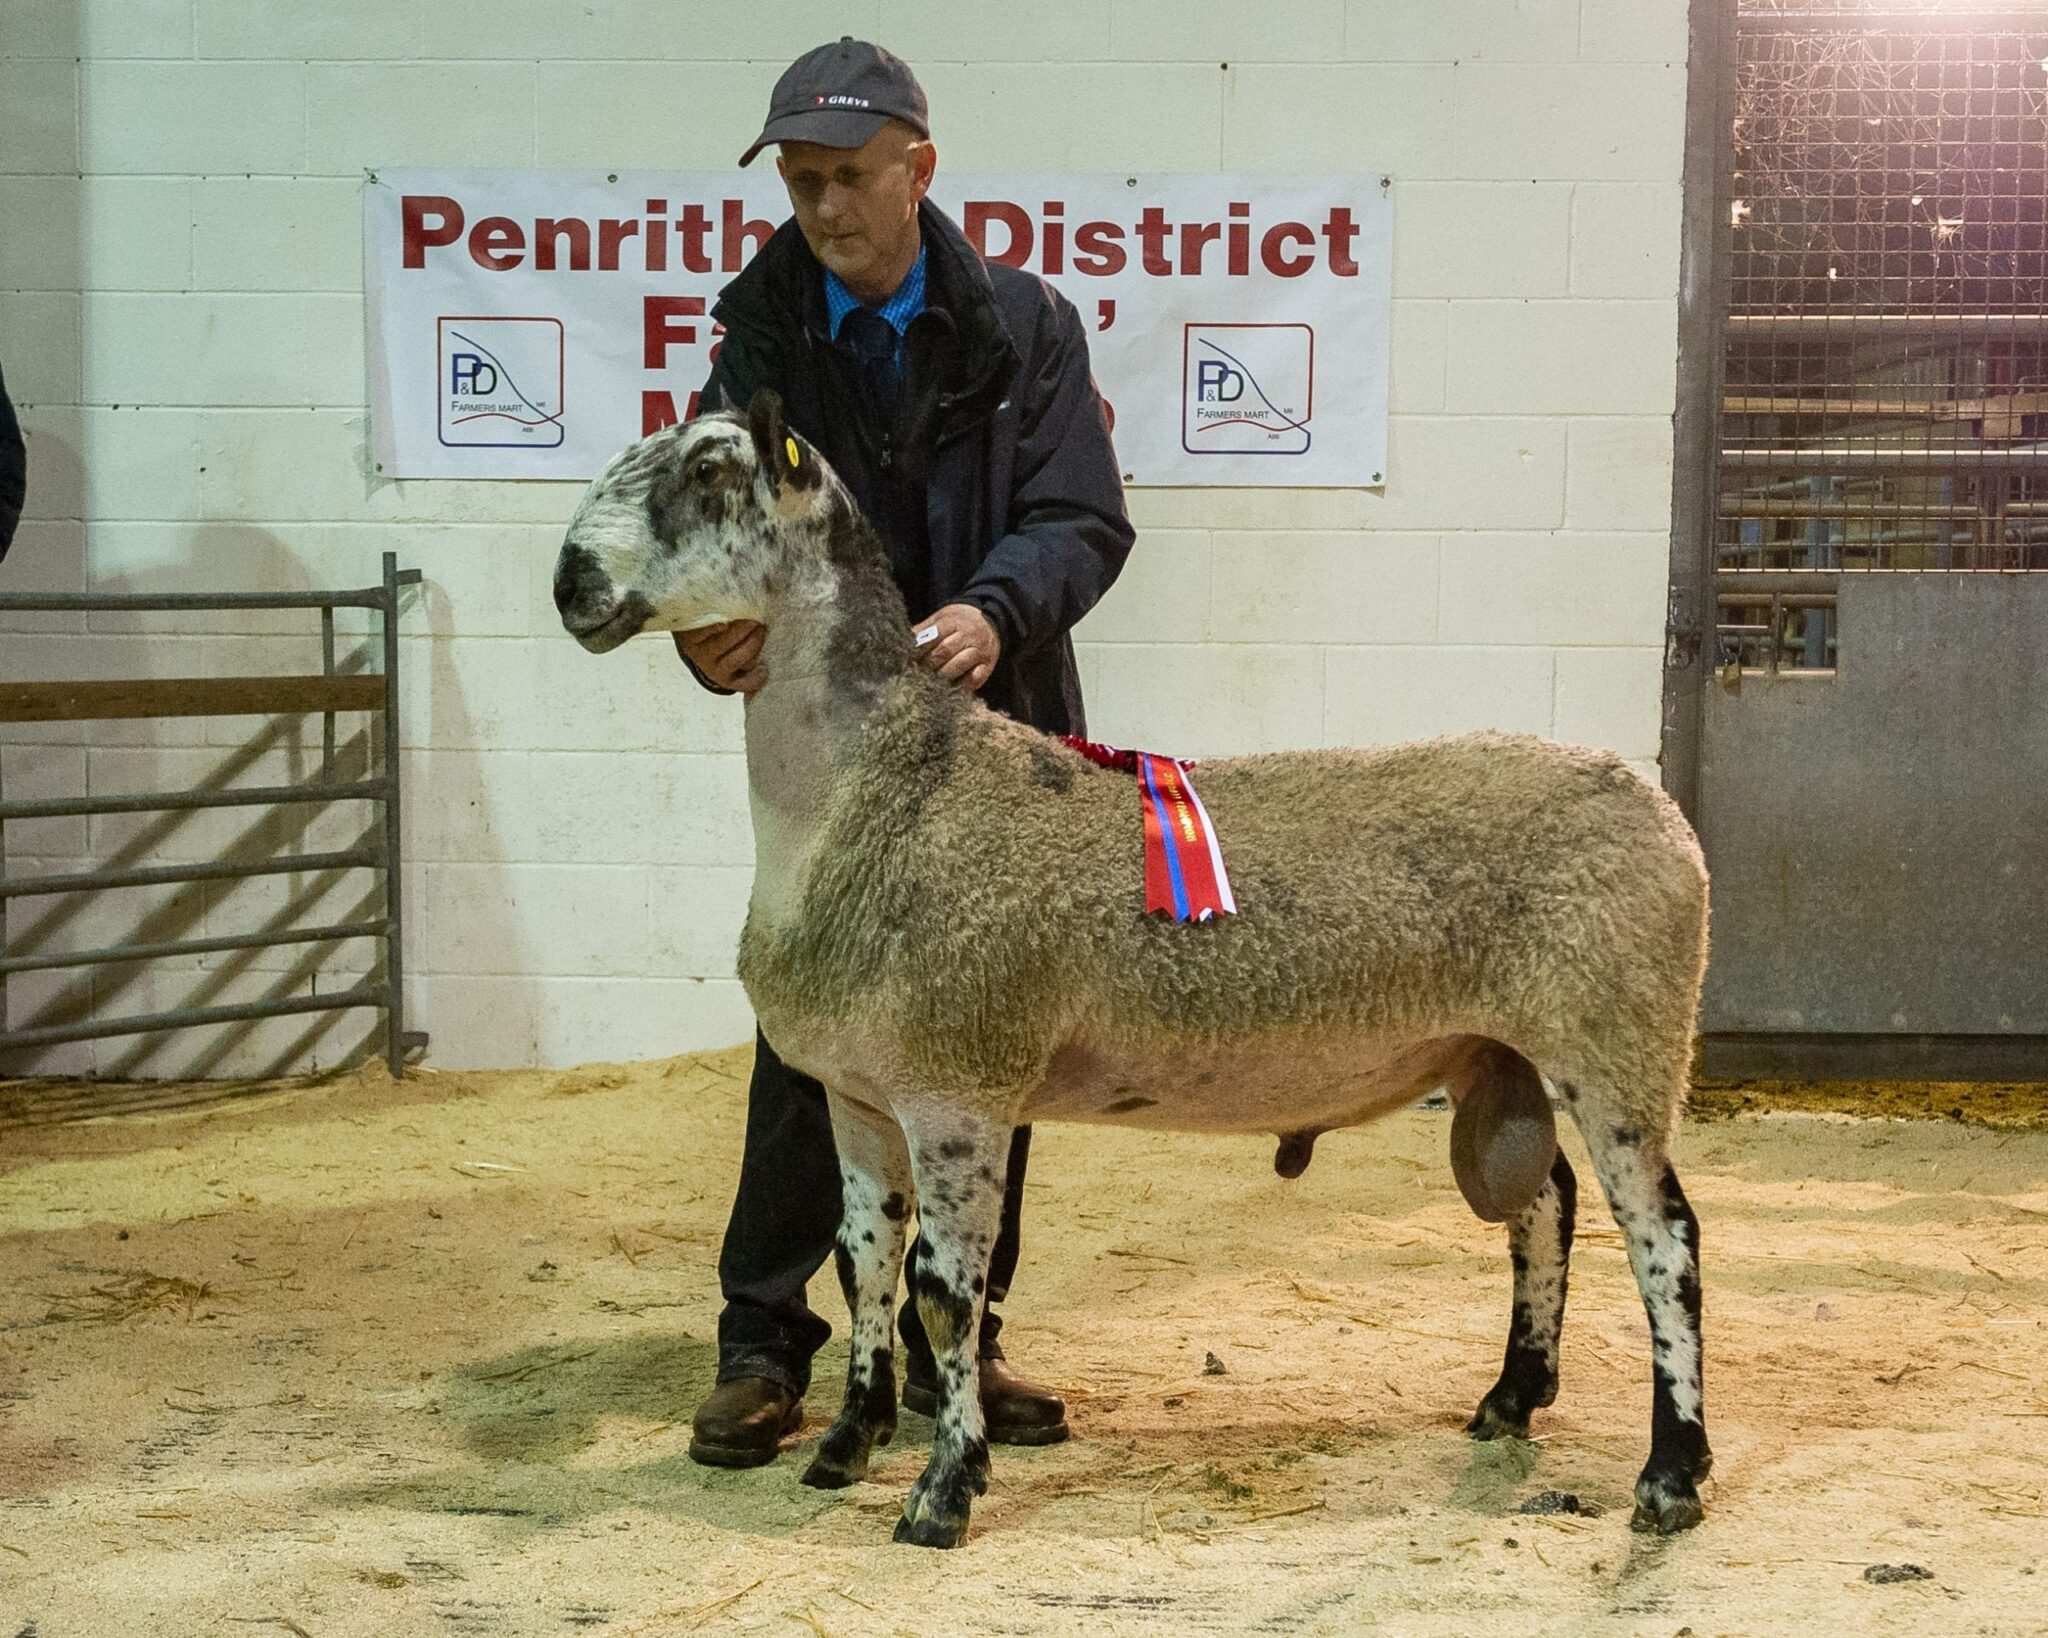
1870, 675
44, 946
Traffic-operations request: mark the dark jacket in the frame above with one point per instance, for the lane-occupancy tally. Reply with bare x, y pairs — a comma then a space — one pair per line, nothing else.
999, 426
13, 470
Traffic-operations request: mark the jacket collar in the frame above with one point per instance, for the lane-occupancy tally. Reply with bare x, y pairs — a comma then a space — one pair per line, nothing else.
782, 291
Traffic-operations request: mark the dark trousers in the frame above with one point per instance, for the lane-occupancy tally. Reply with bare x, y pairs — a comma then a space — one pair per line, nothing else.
783, 1223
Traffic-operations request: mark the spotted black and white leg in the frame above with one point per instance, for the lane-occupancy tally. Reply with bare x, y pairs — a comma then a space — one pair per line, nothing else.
1540, 1246
875, 1185
960, 1162
1663, 1238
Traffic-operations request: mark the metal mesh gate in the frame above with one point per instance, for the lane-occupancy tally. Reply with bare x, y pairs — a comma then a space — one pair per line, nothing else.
1862, 536
1885, 391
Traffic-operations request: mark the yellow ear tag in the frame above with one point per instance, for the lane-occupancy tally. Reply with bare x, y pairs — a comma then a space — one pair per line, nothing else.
789, 449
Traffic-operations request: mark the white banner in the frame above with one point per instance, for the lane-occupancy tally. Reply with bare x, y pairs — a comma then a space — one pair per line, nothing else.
530, 324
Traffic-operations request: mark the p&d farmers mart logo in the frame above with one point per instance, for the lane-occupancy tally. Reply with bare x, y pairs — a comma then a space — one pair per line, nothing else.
1247, 389
500, 384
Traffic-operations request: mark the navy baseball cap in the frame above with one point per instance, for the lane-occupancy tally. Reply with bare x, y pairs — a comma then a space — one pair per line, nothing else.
839, 96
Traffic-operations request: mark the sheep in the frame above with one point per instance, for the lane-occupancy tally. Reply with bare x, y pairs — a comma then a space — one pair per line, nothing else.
946, 931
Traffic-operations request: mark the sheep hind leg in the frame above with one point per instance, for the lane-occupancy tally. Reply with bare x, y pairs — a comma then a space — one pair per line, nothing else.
1663, 1238
1540, 1247
960, 1164
874, 1180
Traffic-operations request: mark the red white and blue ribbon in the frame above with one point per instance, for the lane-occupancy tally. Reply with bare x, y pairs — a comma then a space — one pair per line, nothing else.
1184, 874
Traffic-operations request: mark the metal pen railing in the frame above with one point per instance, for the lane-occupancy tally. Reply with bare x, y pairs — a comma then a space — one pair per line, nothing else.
328, 693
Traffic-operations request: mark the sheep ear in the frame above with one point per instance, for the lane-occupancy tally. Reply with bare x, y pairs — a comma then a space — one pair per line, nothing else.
784, 459
769, 432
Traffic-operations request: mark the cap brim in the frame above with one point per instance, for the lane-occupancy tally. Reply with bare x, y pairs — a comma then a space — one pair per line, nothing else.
828, 127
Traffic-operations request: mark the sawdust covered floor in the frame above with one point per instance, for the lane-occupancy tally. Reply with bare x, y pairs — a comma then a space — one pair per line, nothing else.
368, 1358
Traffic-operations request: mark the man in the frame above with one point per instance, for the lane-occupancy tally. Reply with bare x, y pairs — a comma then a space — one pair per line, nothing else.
953, 398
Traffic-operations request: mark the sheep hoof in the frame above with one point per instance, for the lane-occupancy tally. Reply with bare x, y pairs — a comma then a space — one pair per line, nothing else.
823, 1474
842, 1455
1528, 1382
1665, 1506
931, 1531
1492, 1421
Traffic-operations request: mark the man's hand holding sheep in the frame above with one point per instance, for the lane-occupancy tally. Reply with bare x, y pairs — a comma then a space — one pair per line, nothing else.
958, 641
727, 655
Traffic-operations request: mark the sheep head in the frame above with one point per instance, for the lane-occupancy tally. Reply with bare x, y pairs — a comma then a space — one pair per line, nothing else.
690, 526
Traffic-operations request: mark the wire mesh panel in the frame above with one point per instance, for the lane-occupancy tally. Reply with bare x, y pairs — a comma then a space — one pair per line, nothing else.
1886, 374
1871, 782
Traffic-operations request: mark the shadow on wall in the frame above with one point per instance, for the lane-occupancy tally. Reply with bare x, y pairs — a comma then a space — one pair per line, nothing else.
511, 742
109, 488
82, 530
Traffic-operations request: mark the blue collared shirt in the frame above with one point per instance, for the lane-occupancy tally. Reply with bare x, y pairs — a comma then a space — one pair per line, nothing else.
898, 310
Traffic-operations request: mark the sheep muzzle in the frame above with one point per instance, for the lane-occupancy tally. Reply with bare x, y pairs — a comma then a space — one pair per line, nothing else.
593, 610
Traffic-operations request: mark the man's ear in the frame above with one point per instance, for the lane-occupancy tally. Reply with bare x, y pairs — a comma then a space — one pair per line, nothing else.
783, 459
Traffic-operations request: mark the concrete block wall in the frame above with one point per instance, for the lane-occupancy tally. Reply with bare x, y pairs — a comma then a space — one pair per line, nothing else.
181, 325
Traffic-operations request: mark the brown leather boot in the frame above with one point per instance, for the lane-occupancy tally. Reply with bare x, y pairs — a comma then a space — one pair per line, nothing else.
743, 1423
1014, 1411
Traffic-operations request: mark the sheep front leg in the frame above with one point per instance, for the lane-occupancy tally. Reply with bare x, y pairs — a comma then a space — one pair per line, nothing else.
960, 1163
1540, 1246
874, 1182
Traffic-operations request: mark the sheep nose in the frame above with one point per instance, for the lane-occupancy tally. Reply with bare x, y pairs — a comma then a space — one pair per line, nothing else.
574, 570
